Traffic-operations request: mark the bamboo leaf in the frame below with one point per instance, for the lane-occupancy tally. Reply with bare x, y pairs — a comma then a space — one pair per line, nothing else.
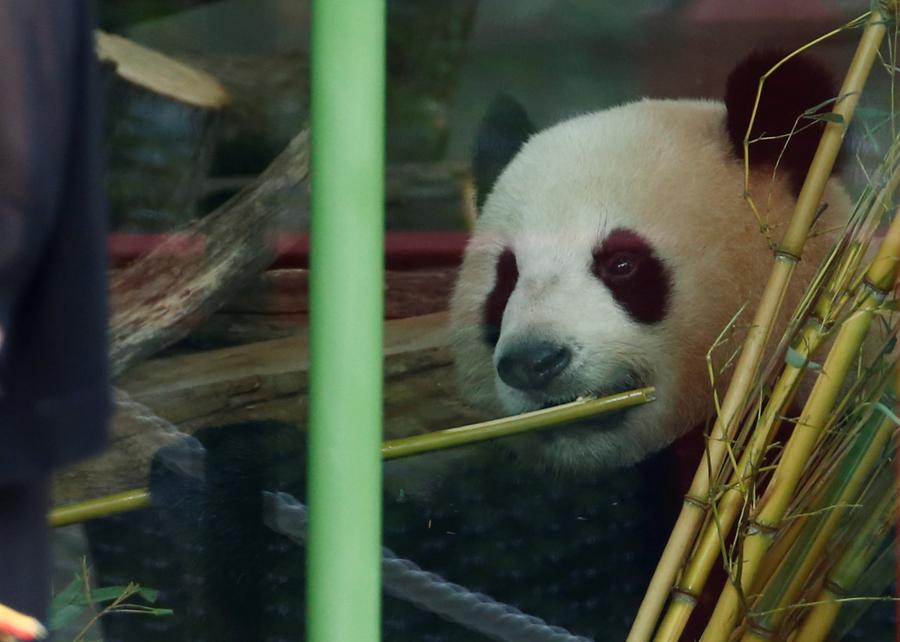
829, 117
158, 612
148, 594
109, 593
68, 595
64, 616
810, 111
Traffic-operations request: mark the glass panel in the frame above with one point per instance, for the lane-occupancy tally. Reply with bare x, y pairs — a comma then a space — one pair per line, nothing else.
613, 244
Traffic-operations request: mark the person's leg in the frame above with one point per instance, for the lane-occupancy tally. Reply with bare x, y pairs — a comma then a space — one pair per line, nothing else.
24, 548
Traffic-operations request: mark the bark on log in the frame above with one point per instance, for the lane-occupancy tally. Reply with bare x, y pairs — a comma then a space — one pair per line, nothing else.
158, 299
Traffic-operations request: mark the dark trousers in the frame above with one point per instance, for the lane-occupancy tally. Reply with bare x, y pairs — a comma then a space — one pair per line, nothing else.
24, 548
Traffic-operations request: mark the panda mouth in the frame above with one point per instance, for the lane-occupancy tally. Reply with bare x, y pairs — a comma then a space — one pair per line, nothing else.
627, 382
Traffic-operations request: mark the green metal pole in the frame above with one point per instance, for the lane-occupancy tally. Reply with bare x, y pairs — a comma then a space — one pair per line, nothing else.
346, 310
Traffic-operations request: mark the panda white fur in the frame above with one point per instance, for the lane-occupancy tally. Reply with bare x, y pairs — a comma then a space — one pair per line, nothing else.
612, 249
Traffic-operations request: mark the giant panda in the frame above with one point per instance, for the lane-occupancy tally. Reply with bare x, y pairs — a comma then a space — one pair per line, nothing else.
609, 252
612, 249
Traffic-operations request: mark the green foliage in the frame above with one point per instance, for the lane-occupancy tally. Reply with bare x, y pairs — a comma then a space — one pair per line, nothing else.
78, 599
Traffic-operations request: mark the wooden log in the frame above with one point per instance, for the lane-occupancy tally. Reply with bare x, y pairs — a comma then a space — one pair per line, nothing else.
157, 300
161, 118
270, 96
160, 74
201, 389
263, 381
419, 397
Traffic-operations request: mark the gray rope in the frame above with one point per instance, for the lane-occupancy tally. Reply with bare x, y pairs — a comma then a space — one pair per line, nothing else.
404, 580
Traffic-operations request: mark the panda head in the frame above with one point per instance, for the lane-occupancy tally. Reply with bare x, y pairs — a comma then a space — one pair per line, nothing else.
611, 251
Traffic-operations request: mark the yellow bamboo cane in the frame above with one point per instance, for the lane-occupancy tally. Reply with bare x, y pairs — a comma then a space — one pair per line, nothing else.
687, 591
767, 518
697, 498
853, 561
828, 306
815, 544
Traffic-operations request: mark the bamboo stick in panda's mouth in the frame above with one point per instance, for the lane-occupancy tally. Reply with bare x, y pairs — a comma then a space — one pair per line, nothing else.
506, 426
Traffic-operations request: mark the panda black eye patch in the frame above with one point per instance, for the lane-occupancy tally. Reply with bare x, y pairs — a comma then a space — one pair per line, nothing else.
495, 304
638, 280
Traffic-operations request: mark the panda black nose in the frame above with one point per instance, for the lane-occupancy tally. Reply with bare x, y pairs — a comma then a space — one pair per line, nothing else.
533, 365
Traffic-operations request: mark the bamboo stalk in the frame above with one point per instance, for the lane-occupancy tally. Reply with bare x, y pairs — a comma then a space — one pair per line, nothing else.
729, 505
821, 618
787, 537
744, 377
797, 237
767, 518
878, 576
822, 468
833, 135
867, 453
765, 523
696, 500
78, 512
396, 448
862, 549
828, 306
506, 426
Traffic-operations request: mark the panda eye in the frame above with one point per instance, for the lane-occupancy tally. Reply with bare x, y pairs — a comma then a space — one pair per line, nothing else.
635, 276
621, 265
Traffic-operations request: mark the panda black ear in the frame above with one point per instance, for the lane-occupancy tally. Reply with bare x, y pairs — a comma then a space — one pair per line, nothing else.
501, 134
800, 88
